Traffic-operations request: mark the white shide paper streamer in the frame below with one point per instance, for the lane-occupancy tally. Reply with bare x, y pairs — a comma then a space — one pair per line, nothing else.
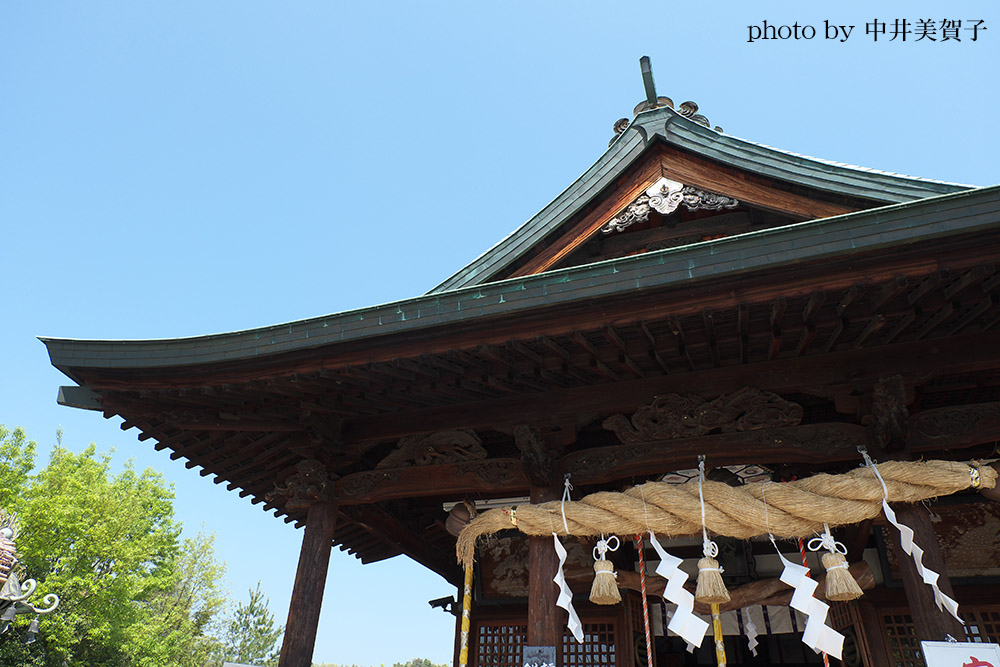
930, 577
565, 594
817, 634
684, 622
751, 630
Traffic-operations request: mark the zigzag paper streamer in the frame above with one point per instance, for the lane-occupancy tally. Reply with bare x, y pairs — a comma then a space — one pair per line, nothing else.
817, 635
929, 576
684, 623
751, 629
565, 594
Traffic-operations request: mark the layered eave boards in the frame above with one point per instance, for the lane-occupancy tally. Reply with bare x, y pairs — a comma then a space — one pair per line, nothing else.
662, 143
387, 331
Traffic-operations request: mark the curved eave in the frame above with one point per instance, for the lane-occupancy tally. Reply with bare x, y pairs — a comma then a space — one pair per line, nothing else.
867, 231
664, 124
782, 165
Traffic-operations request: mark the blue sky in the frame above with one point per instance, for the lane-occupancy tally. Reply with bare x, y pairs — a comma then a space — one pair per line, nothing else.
181, 168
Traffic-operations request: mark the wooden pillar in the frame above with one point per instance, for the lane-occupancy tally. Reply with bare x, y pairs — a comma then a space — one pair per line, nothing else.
545, 620
457, 649
930, 623
310, 579
870, 631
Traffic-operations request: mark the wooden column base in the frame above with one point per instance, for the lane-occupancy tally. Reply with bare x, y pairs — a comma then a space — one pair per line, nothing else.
310, 580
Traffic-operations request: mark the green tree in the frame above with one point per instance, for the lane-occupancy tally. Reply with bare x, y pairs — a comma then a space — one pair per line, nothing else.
132, 593
418, 662
180, 620
251, 635
17, 459
105, 544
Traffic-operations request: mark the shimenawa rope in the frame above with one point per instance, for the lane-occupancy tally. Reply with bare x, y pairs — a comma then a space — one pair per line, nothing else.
797, 509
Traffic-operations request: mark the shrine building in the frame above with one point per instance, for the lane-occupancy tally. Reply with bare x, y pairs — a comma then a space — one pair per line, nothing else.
691, 294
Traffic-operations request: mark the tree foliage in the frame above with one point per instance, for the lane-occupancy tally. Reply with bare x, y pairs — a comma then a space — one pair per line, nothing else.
252, 635
133, 593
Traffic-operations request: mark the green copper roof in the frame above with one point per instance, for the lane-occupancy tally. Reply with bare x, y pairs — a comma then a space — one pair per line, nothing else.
683, 267
665, 124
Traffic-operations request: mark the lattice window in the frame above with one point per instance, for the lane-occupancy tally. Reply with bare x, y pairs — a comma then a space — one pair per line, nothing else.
840, 615
982, 624
500, 645
904, 647
597, 650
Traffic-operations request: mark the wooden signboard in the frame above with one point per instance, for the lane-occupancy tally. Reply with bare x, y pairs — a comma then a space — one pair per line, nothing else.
961, 654
539, 656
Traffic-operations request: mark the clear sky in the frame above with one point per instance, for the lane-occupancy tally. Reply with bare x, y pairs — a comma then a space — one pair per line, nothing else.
189, 167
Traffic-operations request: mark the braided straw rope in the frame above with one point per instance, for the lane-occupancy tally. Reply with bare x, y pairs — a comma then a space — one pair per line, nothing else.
794, 509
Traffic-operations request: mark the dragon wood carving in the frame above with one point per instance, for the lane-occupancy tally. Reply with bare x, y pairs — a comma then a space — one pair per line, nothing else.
303, 488
440, 447
675, 416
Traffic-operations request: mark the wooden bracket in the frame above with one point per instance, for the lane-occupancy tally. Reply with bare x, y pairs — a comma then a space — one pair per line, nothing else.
536, 458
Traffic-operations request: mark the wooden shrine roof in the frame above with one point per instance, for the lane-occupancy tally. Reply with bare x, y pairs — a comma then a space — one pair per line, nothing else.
663, 125
818, 310
961, 214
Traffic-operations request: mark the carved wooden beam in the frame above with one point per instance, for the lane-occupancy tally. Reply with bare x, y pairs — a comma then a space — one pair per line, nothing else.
675, 416
816, 443
449, 480
933, 430
435, 448
954, 427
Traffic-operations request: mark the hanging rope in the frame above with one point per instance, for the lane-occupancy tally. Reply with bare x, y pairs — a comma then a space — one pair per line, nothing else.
463, 655
797, 509
720, 646
645, 600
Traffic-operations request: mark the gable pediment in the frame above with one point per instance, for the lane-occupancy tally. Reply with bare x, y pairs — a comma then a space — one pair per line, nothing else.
675, 198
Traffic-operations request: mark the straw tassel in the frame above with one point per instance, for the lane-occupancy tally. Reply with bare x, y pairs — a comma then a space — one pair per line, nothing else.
605, 588
711, 589
840, 583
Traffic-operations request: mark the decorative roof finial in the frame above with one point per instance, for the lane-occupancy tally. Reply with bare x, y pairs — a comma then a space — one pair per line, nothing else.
647, 80
654, 101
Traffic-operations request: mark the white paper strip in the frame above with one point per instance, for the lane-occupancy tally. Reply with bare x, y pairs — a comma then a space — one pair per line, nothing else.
684, 623
751, 629
817, 634
929, 576
565, 594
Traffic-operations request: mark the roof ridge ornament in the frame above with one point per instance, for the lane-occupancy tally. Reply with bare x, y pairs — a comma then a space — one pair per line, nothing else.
687, 109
